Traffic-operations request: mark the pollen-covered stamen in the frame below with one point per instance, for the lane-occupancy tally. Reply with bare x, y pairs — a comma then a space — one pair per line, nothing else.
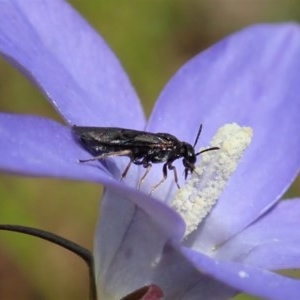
200, 193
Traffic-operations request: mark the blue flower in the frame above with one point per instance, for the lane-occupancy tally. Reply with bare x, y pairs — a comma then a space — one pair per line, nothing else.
250, 77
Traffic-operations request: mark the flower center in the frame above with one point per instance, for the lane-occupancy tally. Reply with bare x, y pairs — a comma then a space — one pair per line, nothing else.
202, 190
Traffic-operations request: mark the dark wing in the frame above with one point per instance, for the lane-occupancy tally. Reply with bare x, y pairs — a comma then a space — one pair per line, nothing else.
158, 140
121, 137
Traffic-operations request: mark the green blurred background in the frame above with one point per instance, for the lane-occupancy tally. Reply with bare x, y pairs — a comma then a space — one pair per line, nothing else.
152, 39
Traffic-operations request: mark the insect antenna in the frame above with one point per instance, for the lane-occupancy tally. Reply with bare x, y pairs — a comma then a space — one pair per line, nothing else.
198, 134
196, 141
208, 149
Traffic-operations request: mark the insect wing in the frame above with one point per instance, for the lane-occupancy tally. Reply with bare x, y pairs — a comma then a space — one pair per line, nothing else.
145, 139
103, 135
114, 136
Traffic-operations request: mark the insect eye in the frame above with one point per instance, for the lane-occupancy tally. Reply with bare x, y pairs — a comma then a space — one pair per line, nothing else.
190, 155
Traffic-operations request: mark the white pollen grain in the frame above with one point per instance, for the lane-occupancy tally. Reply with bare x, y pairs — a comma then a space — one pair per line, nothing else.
202, 190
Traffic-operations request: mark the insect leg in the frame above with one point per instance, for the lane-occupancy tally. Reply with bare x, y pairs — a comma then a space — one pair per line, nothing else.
126, 170
171, 167
106, 155
165, 175
148, 166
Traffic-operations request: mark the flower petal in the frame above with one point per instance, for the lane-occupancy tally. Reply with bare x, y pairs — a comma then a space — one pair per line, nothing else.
254, 281
251, 78
179, 278
55, 48
41, 147
272, 242
130, 237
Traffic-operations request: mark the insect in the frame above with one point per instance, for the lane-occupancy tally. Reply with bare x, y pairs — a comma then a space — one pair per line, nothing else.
142, 148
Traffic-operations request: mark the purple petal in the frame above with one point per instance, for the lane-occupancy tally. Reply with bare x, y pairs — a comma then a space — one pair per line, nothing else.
41, 147
272, 242
255, 281
251, 78
130, 237
179, 278
69, 62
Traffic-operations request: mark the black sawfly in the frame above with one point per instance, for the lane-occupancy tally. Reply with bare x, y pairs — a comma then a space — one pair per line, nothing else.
142, 148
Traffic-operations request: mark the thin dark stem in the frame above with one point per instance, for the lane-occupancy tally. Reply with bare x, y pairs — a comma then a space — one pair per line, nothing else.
83, 253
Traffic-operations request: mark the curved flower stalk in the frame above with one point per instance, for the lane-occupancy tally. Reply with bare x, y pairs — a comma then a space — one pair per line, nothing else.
250, 78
